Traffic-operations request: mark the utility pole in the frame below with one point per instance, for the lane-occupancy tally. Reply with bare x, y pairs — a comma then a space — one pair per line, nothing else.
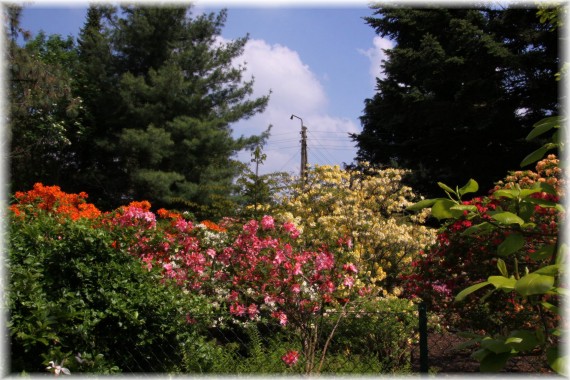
304, 159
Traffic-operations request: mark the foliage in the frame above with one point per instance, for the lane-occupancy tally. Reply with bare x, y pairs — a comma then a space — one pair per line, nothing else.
249, 272
71, 293
365, 208
42, 109
140, 108
383, 328
168, 94
454, 76
252, 269
256, 192
515, 229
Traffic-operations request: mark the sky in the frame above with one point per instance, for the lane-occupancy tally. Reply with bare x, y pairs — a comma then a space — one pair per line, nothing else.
319, 61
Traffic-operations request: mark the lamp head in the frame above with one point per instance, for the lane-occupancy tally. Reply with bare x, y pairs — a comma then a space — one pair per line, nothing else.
291, 117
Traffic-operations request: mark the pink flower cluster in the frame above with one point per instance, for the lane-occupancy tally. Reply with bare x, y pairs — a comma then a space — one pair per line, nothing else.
290, 358
256, 264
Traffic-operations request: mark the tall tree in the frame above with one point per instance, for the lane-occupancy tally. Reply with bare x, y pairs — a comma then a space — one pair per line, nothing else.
168, 93
42, 110
461, 89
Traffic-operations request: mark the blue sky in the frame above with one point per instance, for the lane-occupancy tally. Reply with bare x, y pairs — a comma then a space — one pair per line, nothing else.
319, 61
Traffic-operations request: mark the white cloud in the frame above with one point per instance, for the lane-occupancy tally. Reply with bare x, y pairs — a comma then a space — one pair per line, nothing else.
295, 89
376, 55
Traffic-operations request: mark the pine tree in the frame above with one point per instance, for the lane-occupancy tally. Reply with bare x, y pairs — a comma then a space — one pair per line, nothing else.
169, 94
461, 89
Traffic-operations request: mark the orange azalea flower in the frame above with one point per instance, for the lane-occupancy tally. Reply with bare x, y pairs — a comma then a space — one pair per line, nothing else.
52, 199
143, 205
165, 214
213, 226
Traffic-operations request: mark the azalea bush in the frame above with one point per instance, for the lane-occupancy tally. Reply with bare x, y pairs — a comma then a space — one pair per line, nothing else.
515, 232
460, 258
251, 270
365, 207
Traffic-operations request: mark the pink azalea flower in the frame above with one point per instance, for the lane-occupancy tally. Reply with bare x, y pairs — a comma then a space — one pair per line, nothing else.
252, 311
290, 358
251, 227
348, 281
291, 229
296, 288
168, 267
325, 260
237, 309
281, 316
350, 267
267, 222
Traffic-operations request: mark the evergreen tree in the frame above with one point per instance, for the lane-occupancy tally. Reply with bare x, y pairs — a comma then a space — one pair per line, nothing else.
461, 89
42, 111
168, 94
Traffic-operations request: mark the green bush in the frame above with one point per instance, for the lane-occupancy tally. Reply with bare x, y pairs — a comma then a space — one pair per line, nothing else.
71, 292
378, 336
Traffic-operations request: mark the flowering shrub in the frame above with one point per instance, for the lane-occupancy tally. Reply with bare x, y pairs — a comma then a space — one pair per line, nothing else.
459, 259
71, 292
364, 208
250, 270
52, 199
514, 230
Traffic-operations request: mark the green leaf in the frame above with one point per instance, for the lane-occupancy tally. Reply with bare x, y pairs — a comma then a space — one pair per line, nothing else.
534, 156
470, 187
551, 307
523, 340
442, 209
421, 205
525, 193
545, 252
494, 362
466, 344
446, 188
556, 361
561, 254
549, 270
511, 244
556, 137
480, 354
502, 268
543, 126
541, 202
481, 227
496, 346
545, 188
465, 292
534, 283
464, 208
510, 193
508, 218
501, 282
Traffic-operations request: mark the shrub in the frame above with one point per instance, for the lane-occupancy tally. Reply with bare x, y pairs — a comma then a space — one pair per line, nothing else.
71, 292
365, 207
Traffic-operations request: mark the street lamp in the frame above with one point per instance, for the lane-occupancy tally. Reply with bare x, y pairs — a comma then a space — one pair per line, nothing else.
303, 147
